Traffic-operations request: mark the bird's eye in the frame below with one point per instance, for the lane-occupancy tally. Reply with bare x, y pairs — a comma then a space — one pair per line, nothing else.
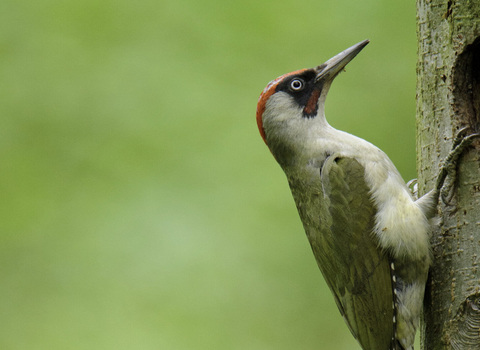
297, 84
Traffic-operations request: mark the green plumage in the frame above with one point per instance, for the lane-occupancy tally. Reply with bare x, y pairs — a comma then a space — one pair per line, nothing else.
340, 232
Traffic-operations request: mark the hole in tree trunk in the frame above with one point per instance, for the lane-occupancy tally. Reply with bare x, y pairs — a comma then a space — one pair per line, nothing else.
466, 86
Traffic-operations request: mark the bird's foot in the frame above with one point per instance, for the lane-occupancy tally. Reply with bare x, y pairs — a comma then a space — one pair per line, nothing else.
448, 171
412, 186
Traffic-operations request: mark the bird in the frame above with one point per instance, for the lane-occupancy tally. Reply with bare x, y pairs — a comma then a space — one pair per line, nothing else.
369, 233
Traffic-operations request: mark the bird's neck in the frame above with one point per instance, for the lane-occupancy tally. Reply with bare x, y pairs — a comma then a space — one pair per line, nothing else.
298, 144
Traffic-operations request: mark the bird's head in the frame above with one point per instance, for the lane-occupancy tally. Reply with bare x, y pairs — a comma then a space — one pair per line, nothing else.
292, 106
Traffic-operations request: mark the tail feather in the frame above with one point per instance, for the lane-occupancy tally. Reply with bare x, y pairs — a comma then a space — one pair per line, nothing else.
397, 346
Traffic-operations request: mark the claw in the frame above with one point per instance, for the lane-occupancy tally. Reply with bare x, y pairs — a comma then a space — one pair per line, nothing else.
412, 186
460, 136
448, 172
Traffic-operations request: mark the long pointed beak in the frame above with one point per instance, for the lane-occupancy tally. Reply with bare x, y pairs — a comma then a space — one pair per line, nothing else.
334, 65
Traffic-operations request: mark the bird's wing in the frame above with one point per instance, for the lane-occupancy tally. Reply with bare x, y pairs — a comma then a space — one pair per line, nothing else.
356, 270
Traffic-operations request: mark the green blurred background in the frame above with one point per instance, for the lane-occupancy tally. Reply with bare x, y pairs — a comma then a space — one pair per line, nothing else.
140, 209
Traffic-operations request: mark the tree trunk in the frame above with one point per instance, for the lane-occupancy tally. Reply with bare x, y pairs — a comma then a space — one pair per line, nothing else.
448, 99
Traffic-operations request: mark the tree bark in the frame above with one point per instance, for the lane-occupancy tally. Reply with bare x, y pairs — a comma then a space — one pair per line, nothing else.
448, 99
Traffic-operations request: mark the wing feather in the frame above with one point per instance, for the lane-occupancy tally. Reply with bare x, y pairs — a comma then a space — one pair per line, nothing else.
356, 270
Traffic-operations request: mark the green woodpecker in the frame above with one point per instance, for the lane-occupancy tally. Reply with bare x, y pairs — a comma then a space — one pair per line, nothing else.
369, 235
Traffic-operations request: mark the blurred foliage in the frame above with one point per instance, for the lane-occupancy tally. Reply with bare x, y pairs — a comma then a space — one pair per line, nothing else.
140, 208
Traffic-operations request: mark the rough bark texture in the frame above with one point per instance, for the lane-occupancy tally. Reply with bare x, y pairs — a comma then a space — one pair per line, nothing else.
448, 99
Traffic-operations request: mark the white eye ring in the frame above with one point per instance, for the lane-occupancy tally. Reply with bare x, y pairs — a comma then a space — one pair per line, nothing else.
297, 84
